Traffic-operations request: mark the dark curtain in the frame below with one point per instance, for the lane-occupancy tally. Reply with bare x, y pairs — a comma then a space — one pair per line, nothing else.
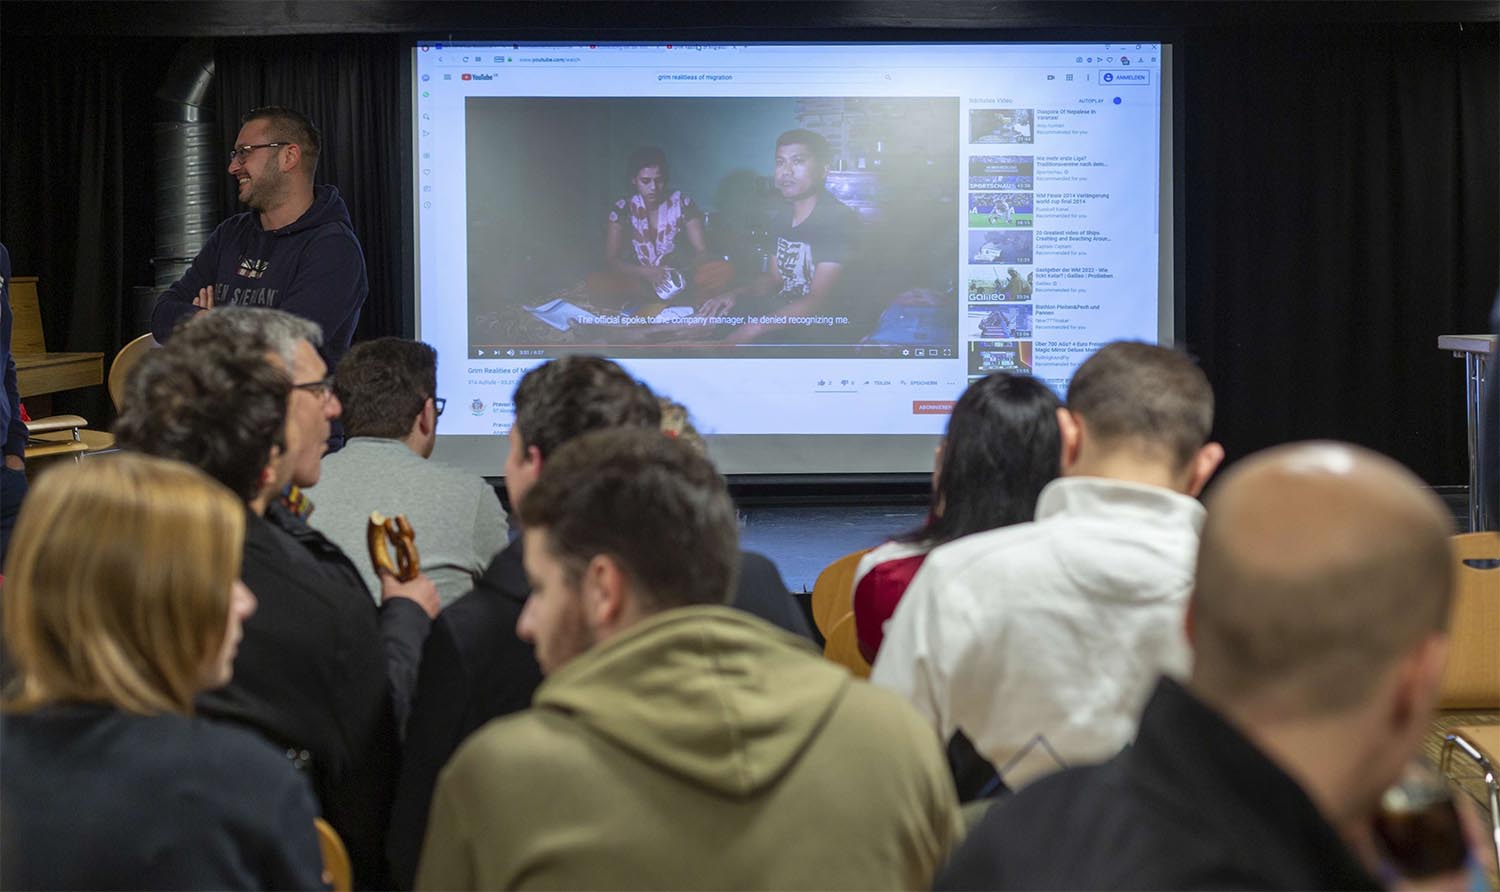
1343, 202
75, 187
1342, 194
350, 85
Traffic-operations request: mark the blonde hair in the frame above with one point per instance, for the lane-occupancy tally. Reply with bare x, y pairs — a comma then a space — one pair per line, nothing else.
117, 586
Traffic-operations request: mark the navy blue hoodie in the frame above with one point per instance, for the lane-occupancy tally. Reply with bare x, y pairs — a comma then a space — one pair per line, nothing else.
1489, 434
313, 268
12, 428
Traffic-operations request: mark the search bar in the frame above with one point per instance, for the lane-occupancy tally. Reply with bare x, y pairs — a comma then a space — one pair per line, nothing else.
819, 76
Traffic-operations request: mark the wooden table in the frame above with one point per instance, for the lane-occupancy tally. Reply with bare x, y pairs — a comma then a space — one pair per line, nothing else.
1476, 351
40, 373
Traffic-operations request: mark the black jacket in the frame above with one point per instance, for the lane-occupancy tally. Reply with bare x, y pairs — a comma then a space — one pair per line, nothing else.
98, 798
1191, 805
313, 676
762, 593
475, 668
403, 623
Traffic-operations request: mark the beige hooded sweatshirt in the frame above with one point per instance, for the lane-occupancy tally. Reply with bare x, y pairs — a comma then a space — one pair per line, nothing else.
700, 749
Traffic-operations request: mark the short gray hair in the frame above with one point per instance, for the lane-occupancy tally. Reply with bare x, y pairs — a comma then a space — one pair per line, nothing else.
265, 330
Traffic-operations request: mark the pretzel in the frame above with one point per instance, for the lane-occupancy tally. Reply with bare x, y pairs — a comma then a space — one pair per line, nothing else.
398, 533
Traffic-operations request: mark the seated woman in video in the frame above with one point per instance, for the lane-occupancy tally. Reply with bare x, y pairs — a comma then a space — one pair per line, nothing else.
654, 245
122, 602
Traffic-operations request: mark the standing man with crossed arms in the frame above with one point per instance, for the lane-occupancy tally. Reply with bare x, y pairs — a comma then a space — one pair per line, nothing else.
295, 249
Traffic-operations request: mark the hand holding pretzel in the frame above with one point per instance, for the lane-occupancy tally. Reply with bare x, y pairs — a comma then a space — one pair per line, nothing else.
384, 533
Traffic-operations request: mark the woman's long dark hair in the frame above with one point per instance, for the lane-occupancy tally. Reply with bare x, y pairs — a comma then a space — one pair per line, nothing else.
1001, 448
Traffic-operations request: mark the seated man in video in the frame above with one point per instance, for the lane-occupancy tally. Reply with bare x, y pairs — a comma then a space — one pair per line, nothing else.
814, 237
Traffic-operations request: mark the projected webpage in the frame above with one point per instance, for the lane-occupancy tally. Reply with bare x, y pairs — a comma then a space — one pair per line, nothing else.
789, 239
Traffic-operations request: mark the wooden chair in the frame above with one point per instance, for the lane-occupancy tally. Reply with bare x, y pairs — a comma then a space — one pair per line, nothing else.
337, 872
61, 436
52, 436
842, 647
69, 435
125, 361
833, 613
1472, 753
1472, 679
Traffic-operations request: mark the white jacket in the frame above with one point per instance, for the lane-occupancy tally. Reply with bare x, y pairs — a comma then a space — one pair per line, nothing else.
1042, 640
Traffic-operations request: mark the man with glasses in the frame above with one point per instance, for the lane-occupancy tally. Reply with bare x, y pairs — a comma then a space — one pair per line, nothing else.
294, 250
321, 671
387, 389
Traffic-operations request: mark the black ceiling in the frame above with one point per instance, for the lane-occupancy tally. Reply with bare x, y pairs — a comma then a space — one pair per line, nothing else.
747, 19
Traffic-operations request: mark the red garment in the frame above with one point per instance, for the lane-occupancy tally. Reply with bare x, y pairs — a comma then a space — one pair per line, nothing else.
877, 592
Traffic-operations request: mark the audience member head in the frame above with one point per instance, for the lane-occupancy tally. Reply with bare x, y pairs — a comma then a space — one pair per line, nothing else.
677, 424
388, 389
291, 342
564, 398
1141, 413
219, 406
147, 611
1323, 590
622, 524
1000, 450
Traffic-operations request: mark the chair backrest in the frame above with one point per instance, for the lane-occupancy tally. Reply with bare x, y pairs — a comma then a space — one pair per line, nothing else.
833, 592
337, 872
833, 612
842, 647
125, 360
26, 310
1472, 679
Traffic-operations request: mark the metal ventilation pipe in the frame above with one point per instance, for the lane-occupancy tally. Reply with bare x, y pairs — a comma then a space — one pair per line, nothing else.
186, 143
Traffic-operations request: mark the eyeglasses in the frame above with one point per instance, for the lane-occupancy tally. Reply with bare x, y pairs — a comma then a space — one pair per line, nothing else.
320, 389
240, 153
438, 403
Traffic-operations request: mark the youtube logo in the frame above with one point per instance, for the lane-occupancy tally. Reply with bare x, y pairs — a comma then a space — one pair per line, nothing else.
467, 77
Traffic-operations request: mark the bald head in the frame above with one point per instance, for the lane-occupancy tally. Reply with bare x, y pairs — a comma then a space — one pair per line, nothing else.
1320, 565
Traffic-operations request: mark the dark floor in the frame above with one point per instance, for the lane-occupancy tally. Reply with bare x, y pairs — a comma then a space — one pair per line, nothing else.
803, 539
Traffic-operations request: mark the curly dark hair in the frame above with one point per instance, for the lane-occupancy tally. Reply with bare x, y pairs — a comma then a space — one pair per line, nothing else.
572, 395
220, 407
